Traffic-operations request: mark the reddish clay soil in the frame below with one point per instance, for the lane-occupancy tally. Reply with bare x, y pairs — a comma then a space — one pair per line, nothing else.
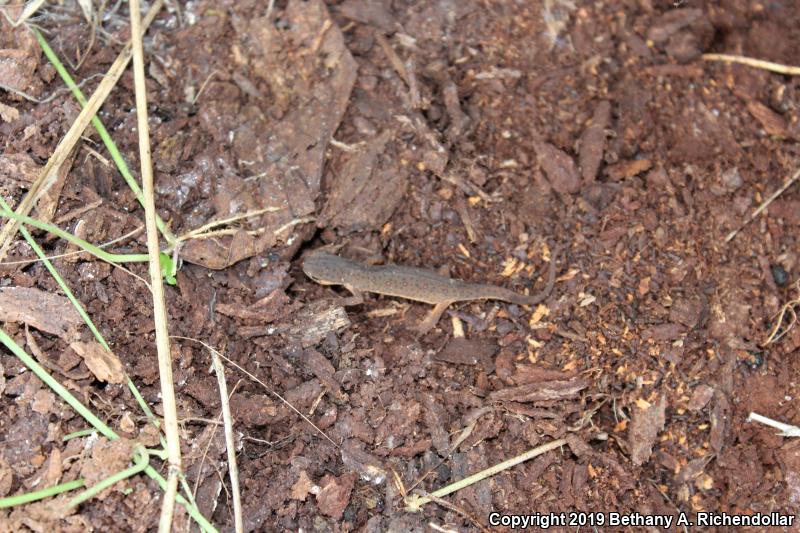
475, 137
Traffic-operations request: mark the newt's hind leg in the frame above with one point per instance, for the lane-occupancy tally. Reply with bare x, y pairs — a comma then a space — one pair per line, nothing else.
433, 317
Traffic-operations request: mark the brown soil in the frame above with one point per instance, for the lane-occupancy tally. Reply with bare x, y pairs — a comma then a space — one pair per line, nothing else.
476, 136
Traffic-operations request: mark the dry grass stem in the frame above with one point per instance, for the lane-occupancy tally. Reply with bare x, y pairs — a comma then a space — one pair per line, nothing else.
49, 173
755, 63
171, 429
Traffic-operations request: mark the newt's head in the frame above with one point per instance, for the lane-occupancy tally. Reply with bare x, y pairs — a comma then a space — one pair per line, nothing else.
325, 268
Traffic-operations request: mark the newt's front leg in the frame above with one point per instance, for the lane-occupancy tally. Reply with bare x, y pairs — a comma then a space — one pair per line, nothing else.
356, 298
433, 317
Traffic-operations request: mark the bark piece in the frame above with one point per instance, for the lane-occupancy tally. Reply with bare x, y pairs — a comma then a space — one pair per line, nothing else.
39, 309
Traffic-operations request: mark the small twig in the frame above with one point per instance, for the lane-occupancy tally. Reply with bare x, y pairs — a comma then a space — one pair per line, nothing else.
55, 94
755, 63
203, 85
217, 422
230, 445
278, 396
78, 211
787, 430
458, 510
30, 9
469, 188
764, 205
349, 148
201, 232
292, 223
779, 330
231, 231
465, 433
92, 152
394, 59
415, 502
94, 21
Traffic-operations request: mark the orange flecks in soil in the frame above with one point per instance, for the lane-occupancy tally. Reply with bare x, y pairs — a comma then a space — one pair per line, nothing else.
570, 365
540, 312
643, 404
511, 266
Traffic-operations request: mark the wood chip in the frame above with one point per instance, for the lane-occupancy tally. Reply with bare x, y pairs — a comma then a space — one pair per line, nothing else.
39, 309
8, 113
319, 365
105, 459
46, 207
266, 310
593, 142
663, 332
559, 168
671, 22
105, 365
700, 397
628, 169
773, 123
527, 373
720, 422
538, 392
313, 322
463, 351
368, 188
645, 427
335, 494
463, 213
6, 477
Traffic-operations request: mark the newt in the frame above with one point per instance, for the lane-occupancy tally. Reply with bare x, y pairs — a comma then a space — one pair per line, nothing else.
411, 283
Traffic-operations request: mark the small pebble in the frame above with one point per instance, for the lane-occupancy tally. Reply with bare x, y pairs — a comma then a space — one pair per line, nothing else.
780, 275
731, 179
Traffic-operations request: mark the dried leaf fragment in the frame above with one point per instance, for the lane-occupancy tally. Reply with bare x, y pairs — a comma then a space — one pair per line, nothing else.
104, 364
